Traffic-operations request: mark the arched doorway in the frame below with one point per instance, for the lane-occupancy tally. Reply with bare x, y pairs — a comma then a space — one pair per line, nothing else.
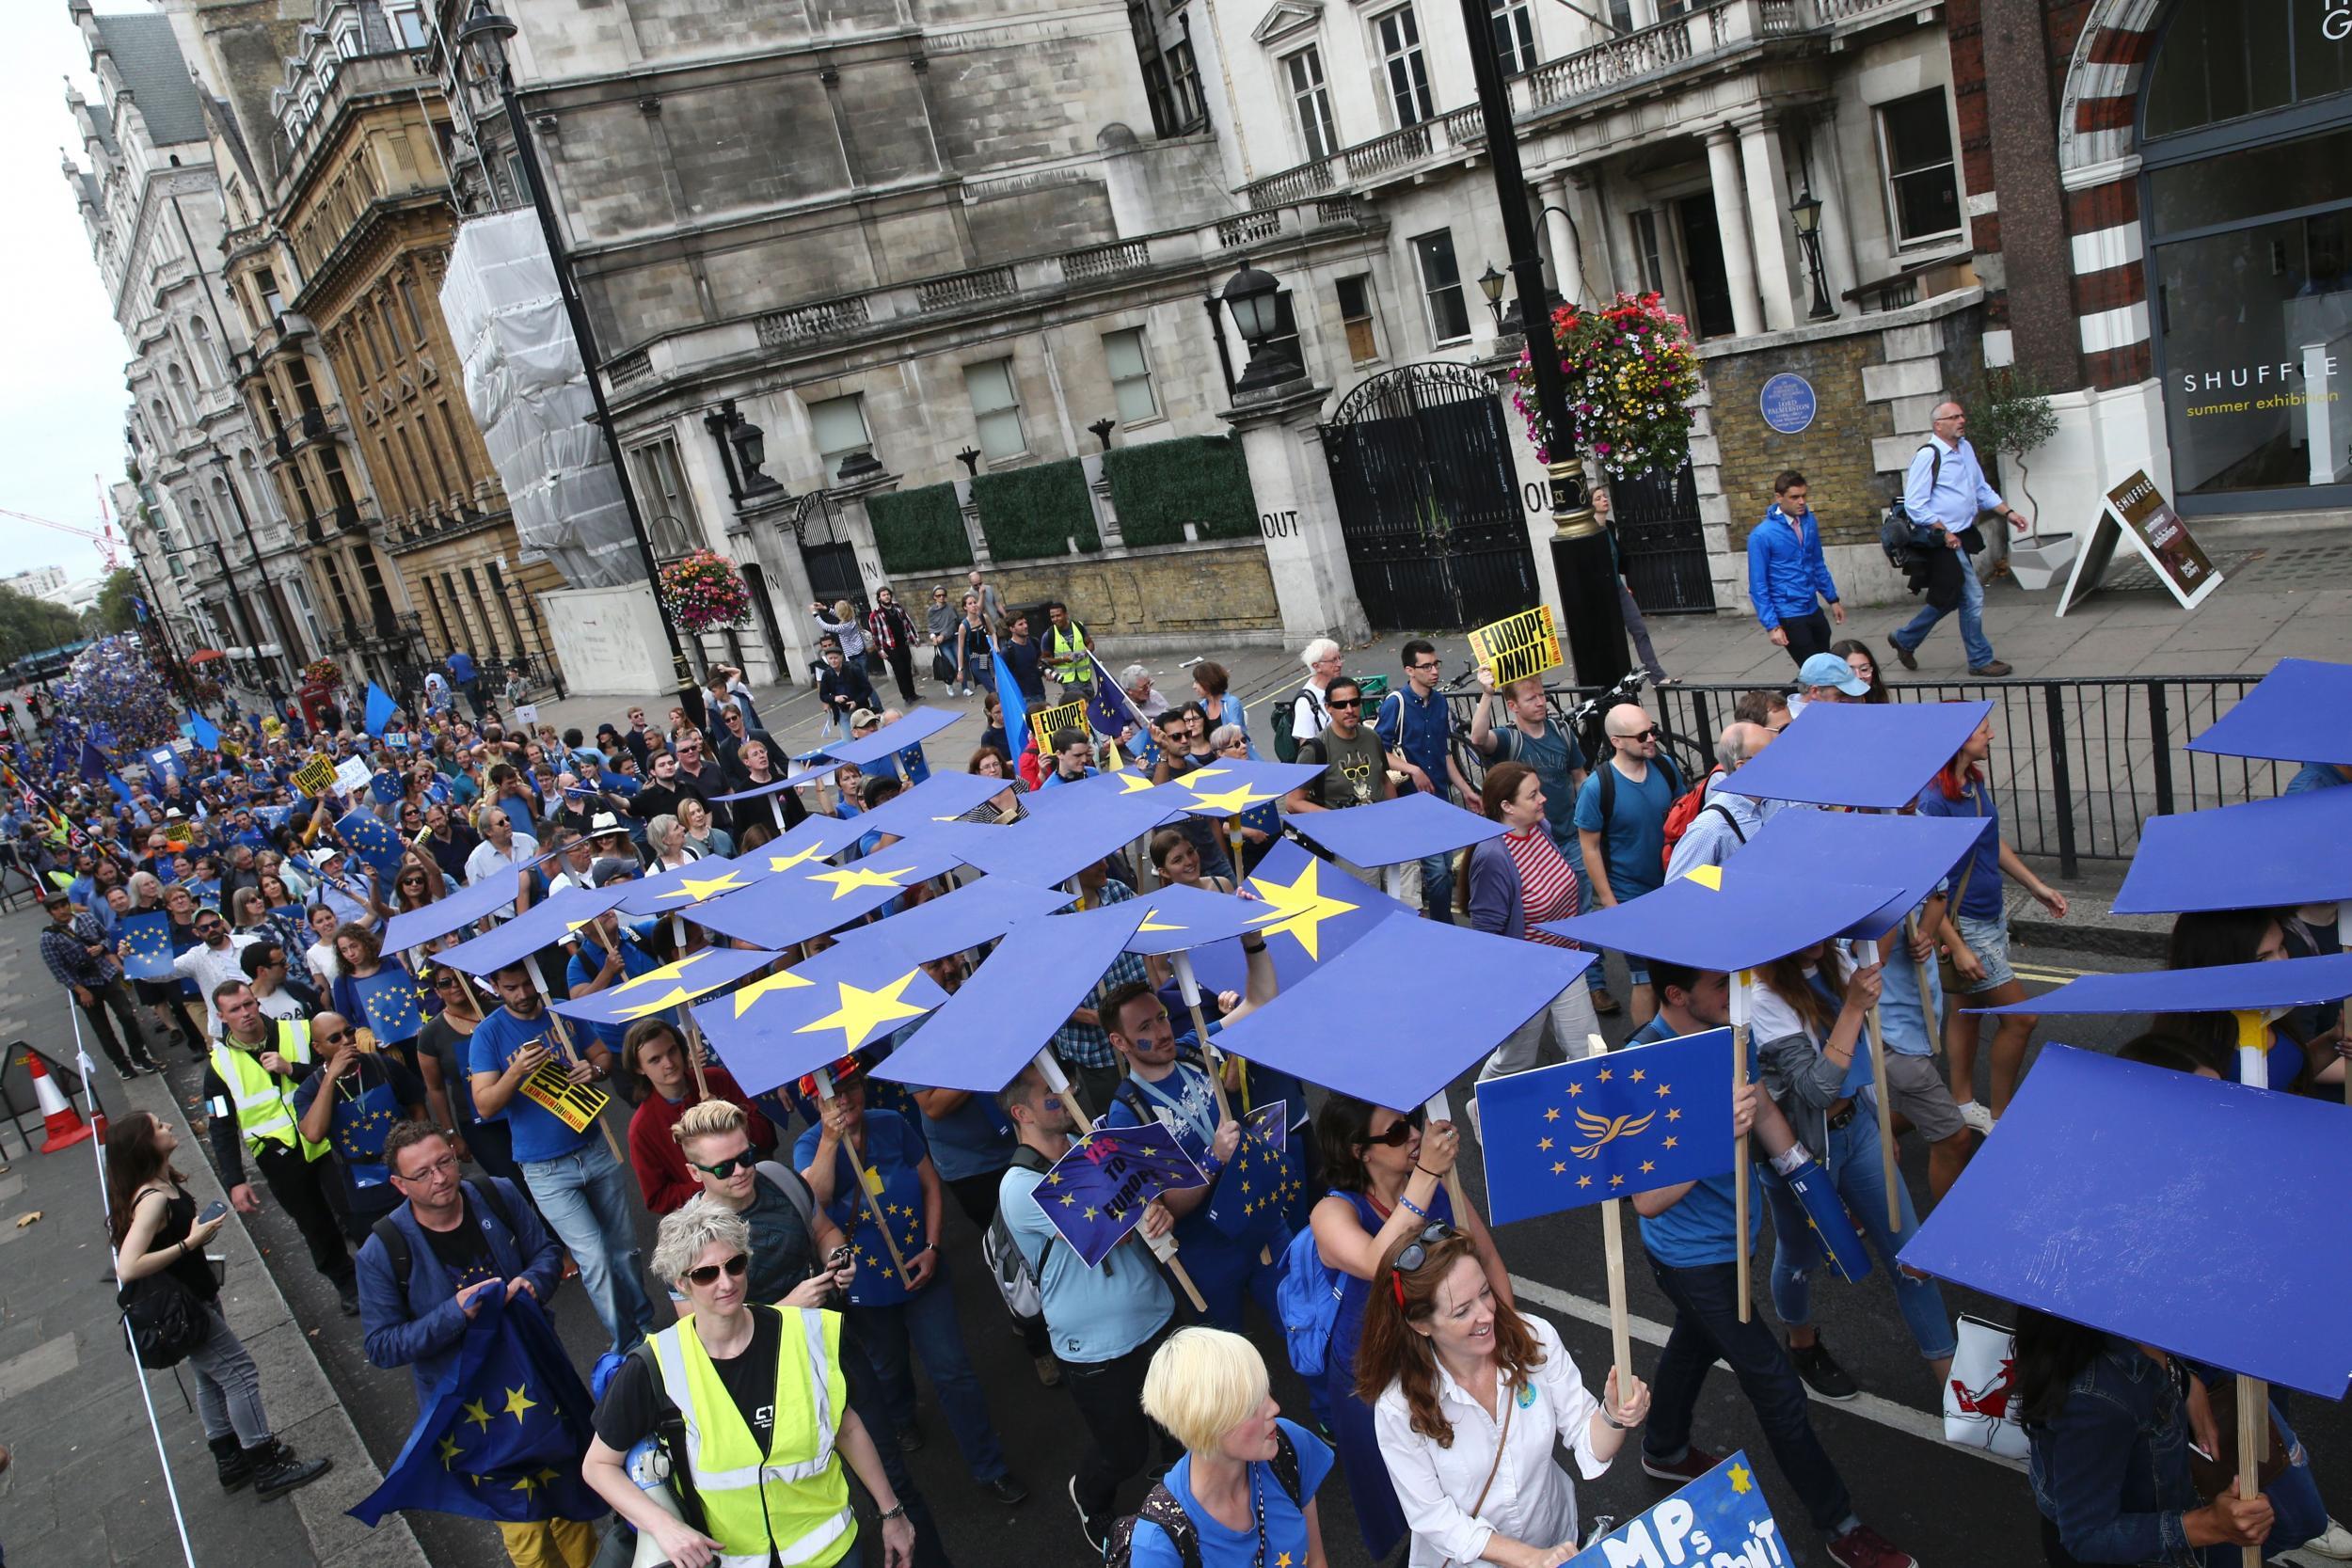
1429, 506
2245, 122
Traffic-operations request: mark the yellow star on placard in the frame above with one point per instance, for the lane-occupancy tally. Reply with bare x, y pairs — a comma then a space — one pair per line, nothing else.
1543, 1144
517, 1403
1559, 1167
781, 981
1673, 1143
1605, 1075
798, 858
670, 971
1151, 925
477, 1411
1552, 1113
1709, 877
863, 1012
1674, 1115
447, 1450
694, 889
1638, 1075
850, 878
1300, 908
1664, 1089
1739, 1478
1648, 1166
1583, 1181
1131, 783
1574, 1089
670, 998
1616, 1180
1240, 798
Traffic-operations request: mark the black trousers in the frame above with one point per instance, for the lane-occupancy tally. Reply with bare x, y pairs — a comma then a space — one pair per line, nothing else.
873, 1413
1109, 1396
976, 1197
902, 671
1808, 635
308, 1191
114, 997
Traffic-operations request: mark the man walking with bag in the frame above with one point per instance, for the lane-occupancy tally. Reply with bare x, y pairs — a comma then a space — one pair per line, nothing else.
1943, 494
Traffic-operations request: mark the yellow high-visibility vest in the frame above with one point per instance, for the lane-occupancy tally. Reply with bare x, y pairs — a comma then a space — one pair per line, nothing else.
261, 1102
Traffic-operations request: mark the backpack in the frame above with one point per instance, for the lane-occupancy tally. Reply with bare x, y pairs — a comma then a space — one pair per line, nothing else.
396, 1240
1899, 536
1282, 715
1686, 809
1161, 1508
166, 1321
1308, 1298
1022, 1285
1608, 771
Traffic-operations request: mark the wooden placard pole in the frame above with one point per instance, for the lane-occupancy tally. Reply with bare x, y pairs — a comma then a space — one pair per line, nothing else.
1924, 969
865, 1184
1225, 841
1058, 1081
1612, 1241
775, 809
693, 1030
2253, 1447
1868, 953
1211, 1059
1739, 1020
1437, 1109
571, 1051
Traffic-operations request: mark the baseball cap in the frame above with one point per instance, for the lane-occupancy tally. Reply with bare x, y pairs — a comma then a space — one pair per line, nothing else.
1830, 670
611, 868
863, 716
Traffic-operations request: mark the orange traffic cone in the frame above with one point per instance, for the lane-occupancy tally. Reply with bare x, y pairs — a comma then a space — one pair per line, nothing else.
63, 1123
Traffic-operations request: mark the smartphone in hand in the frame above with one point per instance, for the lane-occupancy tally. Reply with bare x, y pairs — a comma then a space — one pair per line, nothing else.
213, 1210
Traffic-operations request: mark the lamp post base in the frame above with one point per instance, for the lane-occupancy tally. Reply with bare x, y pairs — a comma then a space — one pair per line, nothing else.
1592, 630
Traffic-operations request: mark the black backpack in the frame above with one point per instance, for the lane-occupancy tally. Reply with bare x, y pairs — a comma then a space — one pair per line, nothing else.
396, 1240
1608, 770
1161, 1508
1903, 539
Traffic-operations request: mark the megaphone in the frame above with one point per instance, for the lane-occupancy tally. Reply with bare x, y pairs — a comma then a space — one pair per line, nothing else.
648, 1465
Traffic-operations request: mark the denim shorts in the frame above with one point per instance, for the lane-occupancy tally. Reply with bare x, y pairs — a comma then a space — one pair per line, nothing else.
1989, 940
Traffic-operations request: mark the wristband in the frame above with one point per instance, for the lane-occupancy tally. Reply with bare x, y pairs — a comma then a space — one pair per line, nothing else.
1408, 1203
1427, 1172
1260, 949
898, 1513
1612, 1419
1789, 1160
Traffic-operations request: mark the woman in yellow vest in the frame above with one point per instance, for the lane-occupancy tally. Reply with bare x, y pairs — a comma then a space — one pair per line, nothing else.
757, 1416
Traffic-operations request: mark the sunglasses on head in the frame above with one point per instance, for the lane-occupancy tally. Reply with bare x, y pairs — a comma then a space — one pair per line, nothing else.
1413, 1254
709, 1273
727, 1168
1398, 1132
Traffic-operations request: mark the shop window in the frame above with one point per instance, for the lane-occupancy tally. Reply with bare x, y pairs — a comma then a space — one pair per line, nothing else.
2222, 60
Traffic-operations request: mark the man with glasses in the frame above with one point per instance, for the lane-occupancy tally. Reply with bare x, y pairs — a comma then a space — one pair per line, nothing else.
79, 959
501, 851
216, 959
280, 996
423, 1274
1729, 818
249, 1085
737, 733
1356, 773
1184, 740
1945, 492
1621, 825
349, 1104
701, 777
1413, 726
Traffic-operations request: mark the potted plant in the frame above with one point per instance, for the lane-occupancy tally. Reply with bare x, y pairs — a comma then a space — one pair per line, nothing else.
2011, 415
705, 591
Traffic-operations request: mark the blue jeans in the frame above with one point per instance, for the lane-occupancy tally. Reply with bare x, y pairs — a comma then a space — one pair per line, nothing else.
1972, 636
591, 1204
1853, 1163
1707, 1326
927, 1321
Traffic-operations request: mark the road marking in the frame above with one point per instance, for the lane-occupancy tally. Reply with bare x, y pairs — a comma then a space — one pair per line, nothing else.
1871, 1407
2055, 975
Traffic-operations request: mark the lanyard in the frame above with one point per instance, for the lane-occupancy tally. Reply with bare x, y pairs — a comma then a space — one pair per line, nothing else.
1199, 1122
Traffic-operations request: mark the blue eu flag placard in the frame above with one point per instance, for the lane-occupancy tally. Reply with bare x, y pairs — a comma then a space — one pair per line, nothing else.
1257, 1184
1721, 1517
503, 1434
1609, 1126
146, 938
393, 1003
371, 838
1096, 1193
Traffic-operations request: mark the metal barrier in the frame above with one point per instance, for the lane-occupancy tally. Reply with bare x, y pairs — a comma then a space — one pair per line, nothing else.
2077, 765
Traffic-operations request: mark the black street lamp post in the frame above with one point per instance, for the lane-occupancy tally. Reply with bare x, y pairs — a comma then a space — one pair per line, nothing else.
1490, 283
1593, 630
488, 31
1806, 212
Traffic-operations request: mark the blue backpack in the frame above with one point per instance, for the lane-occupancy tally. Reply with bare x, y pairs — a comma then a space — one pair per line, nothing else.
1309, 1299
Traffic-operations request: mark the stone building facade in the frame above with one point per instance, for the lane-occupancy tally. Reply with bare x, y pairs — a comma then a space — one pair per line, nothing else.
150, 198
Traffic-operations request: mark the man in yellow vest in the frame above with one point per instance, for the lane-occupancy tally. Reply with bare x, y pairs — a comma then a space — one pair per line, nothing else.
1069, 658
250, 1084
751, 1408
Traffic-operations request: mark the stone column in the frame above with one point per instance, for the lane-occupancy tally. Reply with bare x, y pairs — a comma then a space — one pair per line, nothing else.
1731, 221
1768, 220
1567, 261
763, 518
849, 506
1106, 515
1297, 513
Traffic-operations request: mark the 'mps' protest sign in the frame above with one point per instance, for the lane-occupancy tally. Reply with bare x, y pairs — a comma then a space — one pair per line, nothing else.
1718, 1521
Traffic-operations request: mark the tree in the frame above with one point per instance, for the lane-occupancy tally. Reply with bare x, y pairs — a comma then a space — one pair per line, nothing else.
113, 611
28, 626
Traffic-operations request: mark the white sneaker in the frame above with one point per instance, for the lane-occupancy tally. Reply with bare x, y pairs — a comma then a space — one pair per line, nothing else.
1976, 1116
2335, 1541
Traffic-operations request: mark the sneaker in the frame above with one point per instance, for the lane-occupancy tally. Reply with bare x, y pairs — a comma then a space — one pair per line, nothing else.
1864, 1548
1694, 1462
2335, 1543
1910, 659
276, 1471
347, 1296
1007, 1490
1822, 1373
147, 1064
1994, 671
1098, 1537
1976, 1116
1048, 1371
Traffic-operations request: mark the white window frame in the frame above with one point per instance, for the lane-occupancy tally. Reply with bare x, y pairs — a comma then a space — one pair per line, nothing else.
1124, 385
1371, 317
1318, 129
830, 412
1429, 291
1519, 19
1409, 58
1886, 171
1000, 412
661, 475
402, 17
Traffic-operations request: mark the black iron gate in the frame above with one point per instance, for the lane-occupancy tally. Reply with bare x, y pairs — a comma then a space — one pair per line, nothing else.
826, 553
1429, 507
1660, 543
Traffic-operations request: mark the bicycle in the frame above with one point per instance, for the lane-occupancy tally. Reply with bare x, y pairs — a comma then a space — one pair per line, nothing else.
1583, 720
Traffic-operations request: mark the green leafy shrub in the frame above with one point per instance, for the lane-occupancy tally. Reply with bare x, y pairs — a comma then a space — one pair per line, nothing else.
1029, 514
919, 531
1160, 487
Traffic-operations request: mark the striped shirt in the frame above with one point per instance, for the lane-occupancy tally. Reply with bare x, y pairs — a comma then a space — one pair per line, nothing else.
1547, 886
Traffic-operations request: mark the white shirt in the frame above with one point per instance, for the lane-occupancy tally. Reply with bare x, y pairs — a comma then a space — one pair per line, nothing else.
325, 967
280, 1002
1531, 1499
486, 861
209, 967
1307, 716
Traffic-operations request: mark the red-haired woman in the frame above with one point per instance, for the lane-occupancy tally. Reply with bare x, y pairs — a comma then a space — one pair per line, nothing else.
1976, 932
1469, 1399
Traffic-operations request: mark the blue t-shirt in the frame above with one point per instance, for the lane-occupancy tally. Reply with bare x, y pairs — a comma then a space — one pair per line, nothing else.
975, 1139
1224, 1547
539, 1133
1699, 1230
1981, 899
1092, 1315
580, 971
461, 668
1417, 728
2316, 775
1636, 847
1189, 1104
894, 1149
368, 1101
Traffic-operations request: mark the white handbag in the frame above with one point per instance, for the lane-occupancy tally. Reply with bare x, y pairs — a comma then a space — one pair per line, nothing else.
1979, 1398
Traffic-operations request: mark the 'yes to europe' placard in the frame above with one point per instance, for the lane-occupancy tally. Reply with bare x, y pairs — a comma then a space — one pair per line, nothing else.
1718, 1521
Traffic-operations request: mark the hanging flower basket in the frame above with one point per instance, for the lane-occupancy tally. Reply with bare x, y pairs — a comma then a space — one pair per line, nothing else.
705, 591
1631, 373
324, 673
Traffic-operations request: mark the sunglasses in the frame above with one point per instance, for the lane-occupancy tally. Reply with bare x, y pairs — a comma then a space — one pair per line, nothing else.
709, 1274
1650, 733
1399, 1133
329, 1037
1343, 701
727, 1168
1411, 1256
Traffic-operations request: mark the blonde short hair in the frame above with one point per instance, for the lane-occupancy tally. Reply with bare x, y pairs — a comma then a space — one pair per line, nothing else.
688, 1230
1202, 1384
707, 1119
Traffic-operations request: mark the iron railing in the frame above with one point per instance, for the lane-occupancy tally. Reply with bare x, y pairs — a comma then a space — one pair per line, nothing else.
2077, 765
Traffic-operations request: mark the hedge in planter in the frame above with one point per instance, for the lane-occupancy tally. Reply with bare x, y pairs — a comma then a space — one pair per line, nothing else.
1162, 486
919, 531
1030, 513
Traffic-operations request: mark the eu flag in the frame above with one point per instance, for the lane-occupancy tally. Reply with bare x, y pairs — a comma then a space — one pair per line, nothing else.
371, 838
393, 1003
1095, 1193
203, 732
1257, 1184
1609, 1126
94, 765
503, 1434
379, 710
145, 937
